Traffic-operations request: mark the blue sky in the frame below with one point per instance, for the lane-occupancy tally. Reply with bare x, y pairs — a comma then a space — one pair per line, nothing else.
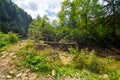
41, 7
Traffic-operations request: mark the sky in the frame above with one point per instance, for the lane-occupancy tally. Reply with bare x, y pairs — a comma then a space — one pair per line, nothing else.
40, 7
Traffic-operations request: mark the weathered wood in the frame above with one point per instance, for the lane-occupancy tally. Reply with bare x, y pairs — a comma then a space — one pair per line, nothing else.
62, 46
41, 46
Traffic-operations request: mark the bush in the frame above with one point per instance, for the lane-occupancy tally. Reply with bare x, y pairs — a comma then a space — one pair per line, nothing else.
86, 59
12, 38
9, 38
30, 58
37, 63
3, 42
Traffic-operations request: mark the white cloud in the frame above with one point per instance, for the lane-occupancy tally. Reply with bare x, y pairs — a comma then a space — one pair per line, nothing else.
41, 7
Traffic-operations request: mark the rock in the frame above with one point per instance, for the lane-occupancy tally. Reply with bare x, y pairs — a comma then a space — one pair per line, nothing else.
33, 76
14, 57
2, 77
25, 74
19, 75
3, 56
12, 72
3, 52
69, 77
53, 72
48, 75
27, 71
21, 44
24, 77
11, 63
16, 78
105, 76
9, 77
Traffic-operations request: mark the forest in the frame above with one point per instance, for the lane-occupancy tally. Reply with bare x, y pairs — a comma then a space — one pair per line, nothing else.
13, 18
42, 49
89, 23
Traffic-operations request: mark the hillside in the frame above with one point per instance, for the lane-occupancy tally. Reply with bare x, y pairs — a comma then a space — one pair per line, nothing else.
13, 18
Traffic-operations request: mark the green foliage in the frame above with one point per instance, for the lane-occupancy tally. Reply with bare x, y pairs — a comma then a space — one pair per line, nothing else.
9, 38
13, 18
13, 38
2, 39
114, 74
29, 58
77, 16
89, 22
88, 60
84, 64
93, 67
41, 29
103, 32
37, 63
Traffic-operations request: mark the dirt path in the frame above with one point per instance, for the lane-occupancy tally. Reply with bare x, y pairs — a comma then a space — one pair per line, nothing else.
10, 72
5, 60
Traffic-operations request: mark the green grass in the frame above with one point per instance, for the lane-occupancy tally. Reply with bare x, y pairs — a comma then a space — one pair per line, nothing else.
7, 39
84, 63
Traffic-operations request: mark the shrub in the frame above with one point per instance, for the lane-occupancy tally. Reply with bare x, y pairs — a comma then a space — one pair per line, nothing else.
12, 38
9, 38
2, 39
30, 58
86, 59
37, 63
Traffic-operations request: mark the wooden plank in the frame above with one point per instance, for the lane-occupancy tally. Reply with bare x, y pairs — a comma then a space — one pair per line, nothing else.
60, 43
62, 46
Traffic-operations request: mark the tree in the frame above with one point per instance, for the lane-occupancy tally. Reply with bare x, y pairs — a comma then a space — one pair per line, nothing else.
111, 19
13, 18
41, 29
112, 13
34, 30
77, 17
38, 17
89, 10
